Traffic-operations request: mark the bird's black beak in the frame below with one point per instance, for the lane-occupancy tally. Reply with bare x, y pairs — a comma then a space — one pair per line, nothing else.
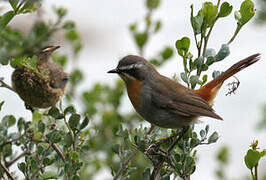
116, 70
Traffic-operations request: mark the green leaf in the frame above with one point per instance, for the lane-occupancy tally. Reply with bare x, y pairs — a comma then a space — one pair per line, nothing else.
202, 133
60, 12
167, 53
14, 4
193, 81
157, 26
207, 128
210, 60
36, 117
263, 153
59, 59
225, 9
37, 136
70, 109
47, 161
215, 74
210, 12
76, 77
252, 158
84, 123
5, 19
210, 52
152, 4
29, 6
49, 175
213, 138
196, 21
55, 136
200, 63
223, 53
8, 120
184, 77
20, 124
141, 39
68, 140
223, 155
115, 148
1, 104
74, 121
74, 155
22, 167
55, 113
69, 25
204, 79
72, 35
247, 11
182, 46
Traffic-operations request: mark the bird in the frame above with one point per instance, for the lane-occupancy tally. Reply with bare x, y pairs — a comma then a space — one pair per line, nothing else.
44, 88
166, 103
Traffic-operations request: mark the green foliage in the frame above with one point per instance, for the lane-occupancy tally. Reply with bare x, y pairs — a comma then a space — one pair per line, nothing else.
252, 159
222, 158
79, 145
202, 25
225, 9
261, 17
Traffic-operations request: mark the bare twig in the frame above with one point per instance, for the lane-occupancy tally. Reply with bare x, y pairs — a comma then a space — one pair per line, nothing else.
6, 171
59, 152
125, 164
11, 141
3, 84
9, 163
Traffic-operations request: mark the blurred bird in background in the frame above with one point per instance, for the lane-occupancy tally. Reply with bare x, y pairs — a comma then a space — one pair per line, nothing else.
44, 88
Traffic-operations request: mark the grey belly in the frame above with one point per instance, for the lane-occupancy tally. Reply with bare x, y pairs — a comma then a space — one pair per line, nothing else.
161, 117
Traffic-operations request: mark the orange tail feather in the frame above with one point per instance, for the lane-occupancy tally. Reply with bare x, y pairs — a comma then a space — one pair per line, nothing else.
209, 90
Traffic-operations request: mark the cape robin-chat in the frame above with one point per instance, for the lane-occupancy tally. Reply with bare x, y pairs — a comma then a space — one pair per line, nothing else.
44, 88
166, 103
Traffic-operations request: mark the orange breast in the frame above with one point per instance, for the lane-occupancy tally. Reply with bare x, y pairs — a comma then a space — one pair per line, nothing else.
133, 90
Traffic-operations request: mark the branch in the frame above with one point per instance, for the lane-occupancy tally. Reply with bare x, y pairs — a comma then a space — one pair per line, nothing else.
3, 84
6, 171
156, 171
9, 163
11, 141
40, 163
125, 164
59, 152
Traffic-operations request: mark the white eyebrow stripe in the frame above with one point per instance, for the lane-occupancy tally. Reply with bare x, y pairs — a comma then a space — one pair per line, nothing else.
132, 66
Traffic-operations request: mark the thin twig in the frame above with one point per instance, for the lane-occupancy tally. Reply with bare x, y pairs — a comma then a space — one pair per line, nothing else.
59, 152
40, 163
125, 164
9, 163
3, 84
158, 167
6, 171
11, 141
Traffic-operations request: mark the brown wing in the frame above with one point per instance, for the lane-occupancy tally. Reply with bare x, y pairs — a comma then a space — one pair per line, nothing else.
179, 99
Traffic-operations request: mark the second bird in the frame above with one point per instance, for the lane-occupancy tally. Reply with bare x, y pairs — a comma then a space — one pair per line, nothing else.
166, 103
42, 89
